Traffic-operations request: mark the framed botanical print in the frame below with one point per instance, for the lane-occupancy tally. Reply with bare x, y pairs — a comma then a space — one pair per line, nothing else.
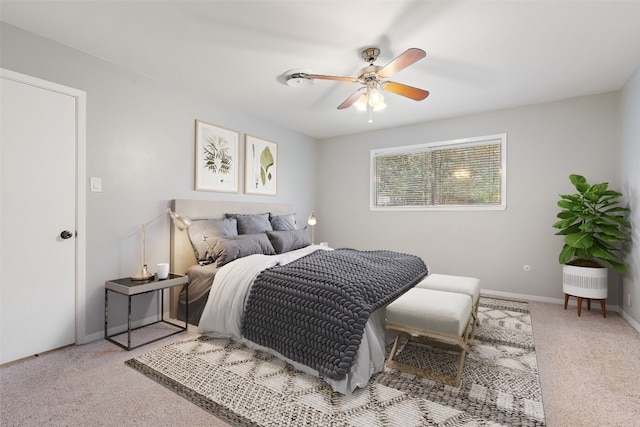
261, 166
217, 159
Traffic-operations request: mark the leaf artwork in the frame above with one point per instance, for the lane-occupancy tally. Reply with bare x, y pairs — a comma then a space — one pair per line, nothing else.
216, 155
266, 161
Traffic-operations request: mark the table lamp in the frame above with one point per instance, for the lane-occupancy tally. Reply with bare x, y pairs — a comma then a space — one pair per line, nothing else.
180, 221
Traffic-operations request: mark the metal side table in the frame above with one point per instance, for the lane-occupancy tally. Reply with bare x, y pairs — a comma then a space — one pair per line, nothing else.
130, 288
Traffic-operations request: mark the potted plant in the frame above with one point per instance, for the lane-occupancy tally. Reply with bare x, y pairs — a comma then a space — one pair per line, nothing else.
595, 228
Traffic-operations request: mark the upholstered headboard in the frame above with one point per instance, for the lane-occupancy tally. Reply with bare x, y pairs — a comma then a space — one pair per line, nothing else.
182, 256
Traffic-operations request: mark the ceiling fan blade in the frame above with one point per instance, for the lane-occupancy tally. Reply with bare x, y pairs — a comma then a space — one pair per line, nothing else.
405, 90
405, 59
352, 98
323, 77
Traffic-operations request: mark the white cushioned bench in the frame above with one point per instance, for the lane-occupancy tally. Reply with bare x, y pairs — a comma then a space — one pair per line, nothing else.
458, 284
432, 317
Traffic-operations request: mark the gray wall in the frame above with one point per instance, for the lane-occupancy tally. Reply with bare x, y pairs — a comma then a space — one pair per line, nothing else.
630, 178
545, 144
140, 140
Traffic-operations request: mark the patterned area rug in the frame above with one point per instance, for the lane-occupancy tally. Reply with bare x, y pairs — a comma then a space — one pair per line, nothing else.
500, 384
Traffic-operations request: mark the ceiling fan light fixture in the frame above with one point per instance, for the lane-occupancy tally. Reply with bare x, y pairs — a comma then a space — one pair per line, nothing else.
375, 98
361, 103
381, 106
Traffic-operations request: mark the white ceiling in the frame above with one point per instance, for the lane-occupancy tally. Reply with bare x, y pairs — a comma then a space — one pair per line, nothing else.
481, 55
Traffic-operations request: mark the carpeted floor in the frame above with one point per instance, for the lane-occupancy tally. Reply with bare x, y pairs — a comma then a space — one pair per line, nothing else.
500, 382
588, 366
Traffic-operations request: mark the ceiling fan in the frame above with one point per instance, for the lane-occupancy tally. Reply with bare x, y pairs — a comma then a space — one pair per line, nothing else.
373, 78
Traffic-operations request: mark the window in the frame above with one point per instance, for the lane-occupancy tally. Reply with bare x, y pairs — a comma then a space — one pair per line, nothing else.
461, 174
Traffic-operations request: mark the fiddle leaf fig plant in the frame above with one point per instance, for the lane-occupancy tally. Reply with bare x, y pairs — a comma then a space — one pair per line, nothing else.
594, 226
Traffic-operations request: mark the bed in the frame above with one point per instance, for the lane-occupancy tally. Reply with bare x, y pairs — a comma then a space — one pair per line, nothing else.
320, 309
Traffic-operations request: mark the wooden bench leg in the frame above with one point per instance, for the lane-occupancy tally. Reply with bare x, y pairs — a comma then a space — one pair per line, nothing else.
474, 312
457, 344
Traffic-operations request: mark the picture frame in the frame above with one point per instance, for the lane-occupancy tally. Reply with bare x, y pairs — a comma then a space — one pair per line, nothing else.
261, 166
217, 158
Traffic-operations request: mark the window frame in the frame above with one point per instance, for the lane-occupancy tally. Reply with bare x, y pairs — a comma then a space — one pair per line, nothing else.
431, 146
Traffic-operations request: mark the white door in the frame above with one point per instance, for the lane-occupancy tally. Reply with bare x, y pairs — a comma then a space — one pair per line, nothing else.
37, 219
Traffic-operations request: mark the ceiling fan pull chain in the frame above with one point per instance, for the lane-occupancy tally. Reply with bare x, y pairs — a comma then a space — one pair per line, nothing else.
370, 113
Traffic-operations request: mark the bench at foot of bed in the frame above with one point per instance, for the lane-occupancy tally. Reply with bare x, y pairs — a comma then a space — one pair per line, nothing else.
436, 318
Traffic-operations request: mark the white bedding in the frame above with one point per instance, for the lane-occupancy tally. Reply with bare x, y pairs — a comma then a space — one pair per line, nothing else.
222, 317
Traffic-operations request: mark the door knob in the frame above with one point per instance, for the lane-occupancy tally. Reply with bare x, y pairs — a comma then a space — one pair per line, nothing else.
66, 234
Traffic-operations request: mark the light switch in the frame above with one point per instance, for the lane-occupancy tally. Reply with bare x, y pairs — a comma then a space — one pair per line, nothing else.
96, 184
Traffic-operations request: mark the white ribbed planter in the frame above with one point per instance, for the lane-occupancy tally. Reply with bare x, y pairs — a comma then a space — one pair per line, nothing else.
585, 282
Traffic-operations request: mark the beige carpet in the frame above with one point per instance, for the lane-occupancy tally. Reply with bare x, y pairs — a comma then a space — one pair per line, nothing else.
589, 366
91, 385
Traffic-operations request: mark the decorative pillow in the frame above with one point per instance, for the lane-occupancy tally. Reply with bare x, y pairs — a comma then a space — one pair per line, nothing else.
289, 240
283, 222
209, 228
227, 249
252, 223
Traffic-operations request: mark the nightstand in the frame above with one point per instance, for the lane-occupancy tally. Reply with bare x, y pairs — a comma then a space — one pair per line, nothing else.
130, 288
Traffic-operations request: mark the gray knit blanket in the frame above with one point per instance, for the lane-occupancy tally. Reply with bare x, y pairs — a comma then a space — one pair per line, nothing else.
314, 310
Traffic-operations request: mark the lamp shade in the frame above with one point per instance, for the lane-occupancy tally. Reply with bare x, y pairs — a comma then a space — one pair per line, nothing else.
361, 103
312, 219
375, 98
381, 106
180, 221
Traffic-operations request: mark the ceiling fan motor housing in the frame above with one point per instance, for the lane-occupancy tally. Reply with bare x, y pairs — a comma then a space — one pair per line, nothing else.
369, 74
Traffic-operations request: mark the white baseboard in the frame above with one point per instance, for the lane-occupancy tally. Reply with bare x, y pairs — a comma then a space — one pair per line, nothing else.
631, 321
510, 295
91, 337
572, 301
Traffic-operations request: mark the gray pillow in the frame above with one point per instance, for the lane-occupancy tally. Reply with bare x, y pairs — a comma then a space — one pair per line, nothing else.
289, 240
230, 248
283, 222
211, 228
252, 223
